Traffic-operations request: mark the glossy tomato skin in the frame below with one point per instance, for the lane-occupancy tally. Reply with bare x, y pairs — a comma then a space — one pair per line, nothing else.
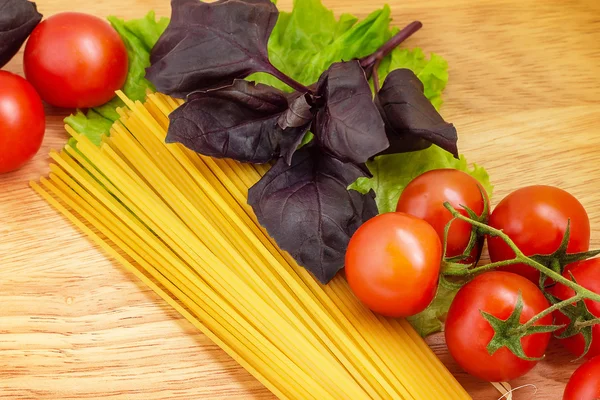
587, 274
535, 218
585, 382
468, 333
75, 60
393, 264
22, 121
424, 197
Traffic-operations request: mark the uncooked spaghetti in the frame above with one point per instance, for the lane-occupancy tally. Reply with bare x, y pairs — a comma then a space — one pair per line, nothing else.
179, 221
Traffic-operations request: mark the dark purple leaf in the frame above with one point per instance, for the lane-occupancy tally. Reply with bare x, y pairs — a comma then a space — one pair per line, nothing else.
18, 18
296, 120
411, 121
208, 45
299, 113
307, 209
348, 126
238, 121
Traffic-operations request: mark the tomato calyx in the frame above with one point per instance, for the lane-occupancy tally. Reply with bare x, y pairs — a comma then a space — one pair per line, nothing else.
559, 260
581, 322
509, 332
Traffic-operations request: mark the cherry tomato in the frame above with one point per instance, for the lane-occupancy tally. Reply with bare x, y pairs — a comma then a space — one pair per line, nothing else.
393, 264
468, 333
22, 121
585, 382
587, 274
75, 60
424, 197
535, 218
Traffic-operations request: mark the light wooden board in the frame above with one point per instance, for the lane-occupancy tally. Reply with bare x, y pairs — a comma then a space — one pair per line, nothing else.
523, 92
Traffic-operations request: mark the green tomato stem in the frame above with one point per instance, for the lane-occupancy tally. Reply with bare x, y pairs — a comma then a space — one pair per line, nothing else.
585, 324
522, 258
548, 311
484, 268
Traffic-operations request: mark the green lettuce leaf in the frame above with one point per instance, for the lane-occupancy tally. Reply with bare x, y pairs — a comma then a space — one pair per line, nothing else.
391, 173
431, 319
139, 37
92, 125
306, 41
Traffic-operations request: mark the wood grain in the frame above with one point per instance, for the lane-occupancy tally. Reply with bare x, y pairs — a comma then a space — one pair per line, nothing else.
523, 92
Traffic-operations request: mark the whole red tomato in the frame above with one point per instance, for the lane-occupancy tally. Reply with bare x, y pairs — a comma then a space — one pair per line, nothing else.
424, 197
468, 333
585, 382
75, 60
587, 274
393, 264
22, 121
535, 218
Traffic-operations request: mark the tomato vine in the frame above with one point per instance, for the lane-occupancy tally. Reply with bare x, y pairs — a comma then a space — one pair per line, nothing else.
508, 333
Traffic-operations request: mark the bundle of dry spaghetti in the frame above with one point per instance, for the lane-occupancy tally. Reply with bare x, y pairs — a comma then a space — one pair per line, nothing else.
180, 223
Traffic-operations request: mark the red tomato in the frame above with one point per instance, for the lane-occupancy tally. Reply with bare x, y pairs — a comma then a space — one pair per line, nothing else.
393, 264
22, 121
424, 198
468, 333
75, 60
535, 218
587, 274
585, 382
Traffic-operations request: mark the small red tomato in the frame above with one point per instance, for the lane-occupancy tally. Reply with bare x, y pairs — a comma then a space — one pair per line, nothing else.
75, 60
585, 382
393, 264
587, 274
535, 218
424, 197
468, 333
22, 121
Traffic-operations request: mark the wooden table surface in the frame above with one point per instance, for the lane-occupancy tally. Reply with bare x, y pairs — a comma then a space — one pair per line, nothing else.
524, 93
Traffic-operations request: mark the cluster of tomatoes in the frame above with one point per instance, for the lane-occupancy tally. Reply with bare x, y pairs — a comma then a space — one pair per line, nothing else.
393, 265
71, 60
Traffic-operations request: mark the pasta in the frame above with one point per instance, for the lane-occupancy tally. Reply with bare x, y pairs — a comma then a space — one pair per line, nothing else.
179, 221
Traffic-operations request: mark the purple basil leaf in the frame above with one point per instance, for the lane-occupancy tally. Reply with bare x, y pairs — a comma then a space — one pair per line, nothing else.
296, 120
299, 113
348, 125
18, 18
411, 121
309, 212
208, 45
238, 121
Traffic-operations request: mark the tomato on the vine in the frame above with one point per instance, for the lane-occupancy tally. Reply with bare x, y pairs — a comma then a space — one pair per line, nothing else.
424, 197
22, 121
535, 218
585, 382
393, 264
468, 333
586, 274
75, 60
